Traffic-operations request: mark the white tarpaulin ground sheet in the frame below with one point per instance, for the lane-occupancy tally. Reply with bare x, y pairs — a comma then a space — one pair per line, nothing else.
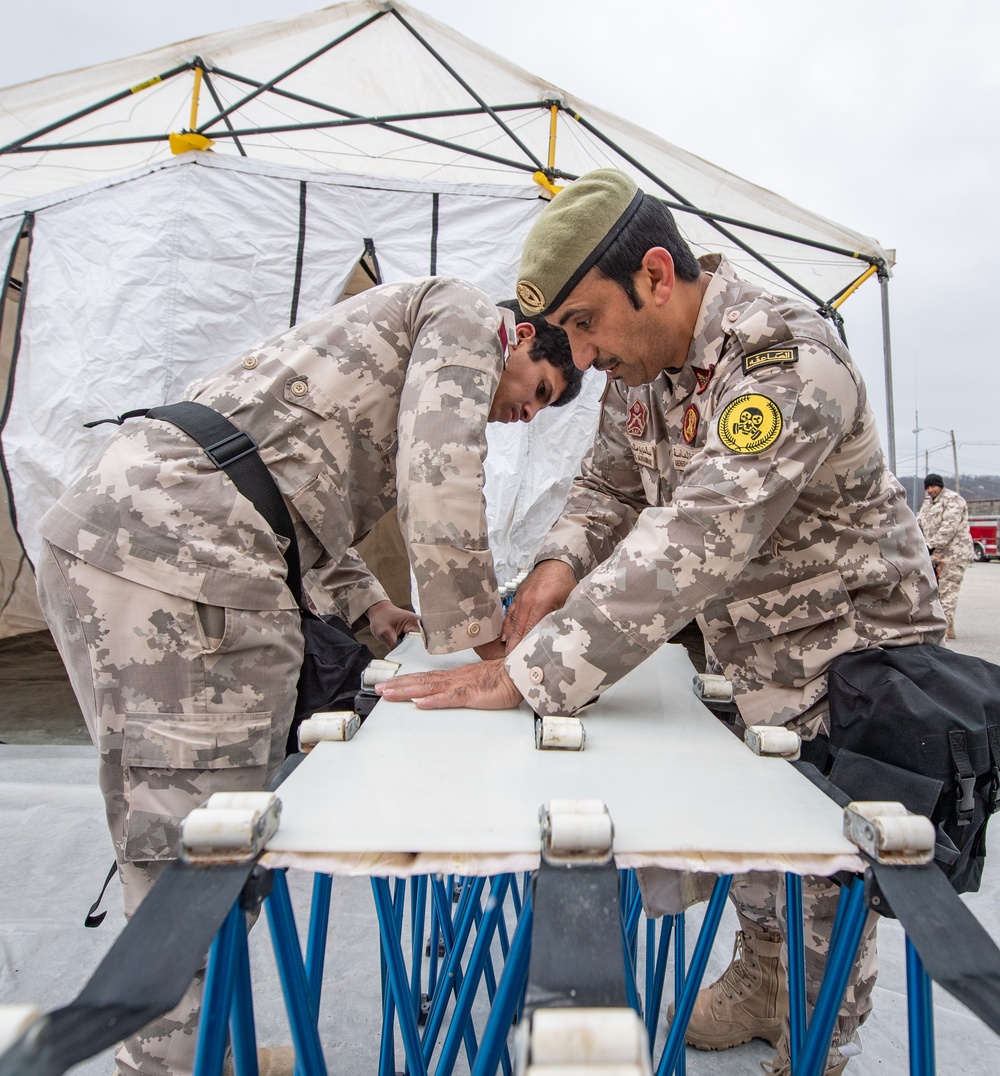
417, 792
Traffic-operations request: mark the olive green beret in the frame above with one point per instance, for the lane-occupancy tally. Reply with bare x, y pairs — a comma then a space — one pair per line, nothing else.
571, 234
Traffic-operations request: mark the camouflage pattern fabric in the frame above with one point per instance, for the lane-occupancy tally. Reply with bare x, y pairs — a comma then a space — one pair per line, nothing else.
165, 589
181, 700
750, 489
944, 520
383, 398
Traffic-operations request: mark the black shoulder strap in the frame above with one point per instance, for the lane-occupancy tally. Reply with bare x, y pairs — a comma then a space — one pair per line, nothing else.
234, 451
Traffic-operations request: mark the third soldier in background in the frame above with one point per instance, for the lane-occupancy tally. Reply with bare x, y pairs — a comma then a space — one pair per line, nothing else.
944, 519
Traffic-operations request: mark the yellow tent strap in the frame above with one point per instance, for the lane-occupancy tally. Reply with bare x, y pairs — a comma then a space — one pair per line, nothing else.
193, 125
554, 115
852, 288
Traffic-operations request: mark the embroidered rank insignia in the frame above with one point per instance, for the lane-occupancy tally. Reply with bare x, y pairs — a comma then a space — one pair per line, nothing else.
702, 378
689, 427
635, 424
777, 356
750, 424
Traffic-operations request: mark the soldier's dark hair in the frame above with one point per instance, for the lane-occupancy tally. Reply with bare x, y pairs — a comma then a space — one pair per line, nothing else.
550, 342
652, 225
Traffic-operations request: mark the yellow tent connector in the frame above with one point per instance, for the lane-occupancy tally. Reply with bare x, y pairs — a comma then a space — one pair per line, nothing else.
851, 289
186, 141
542, 180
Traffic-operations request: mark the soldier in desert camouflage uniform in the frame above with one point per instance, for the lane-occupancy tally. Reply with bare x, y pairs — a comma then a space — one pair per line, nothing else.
736, 477
944, 520
165, 589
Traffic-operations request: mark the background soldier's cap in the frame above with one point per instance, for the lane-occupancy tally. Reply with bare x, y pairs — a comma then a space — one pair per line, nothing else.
933, 480
572, 233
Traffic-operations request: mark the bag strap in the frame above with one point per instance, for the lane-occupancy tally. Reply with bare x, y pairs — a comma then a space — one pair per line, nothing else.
993, 737
234, 451
965, 775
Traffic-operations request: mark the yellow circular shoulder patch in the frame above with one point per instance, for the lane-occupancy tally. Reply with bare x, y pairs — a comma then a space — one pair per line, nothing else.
750, 424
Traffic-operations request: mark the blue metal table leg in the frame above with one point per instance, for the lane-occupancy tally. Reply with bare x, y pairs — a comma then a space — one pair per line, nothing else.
680, 968
455, 942
509, 992
796, 966
654, 998
399, 986
302, 1017
674, 1047
920, 1014
631, 990
839, 960
319, 921
241, 1021
477, 961
418, 914
217, 998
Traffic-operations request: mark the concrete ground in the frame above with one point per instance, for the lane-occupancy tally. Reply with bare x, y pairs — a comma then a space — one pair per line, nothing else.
56, 852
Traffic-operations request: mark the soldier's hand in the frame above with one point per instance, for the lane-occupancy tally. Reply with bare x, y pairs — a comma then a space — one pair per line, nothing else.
490, 651
483, 686
544, 591
388, 622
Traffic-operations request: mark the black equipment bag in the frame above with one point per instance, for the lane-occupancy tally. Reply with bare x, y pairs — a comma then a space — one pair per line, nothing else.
921, 725
333, 660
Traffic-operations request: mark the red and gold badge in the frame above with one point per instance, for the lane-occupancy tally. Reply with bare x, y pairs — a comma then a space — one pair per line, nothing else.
689, 427
635, 424
702, 378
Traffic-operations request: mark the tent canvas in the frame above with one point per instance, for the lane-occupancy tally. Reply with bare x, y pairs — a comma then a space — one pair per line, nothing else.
361, 126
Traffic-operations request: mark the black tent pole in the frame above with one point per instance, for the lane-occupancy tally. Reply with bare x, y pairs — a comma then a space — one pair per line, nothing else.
219, 105
291, 70
539, 167
17, 143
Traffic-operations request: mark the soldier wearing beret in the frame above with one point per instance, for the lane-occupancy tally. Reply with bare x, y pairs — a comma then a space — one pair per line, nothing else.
165, 589
737, 478
944, 520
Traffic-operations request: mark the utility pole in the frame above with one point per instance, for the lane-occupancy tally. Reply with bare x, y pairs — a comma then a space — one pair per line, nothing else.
916, 455
954, 456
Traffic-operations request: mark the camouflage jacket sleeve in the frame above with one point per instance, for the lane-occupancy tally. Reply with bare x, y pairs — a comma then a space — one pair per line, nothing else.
345, 588
604, 501
945, 522
453, 372
681, 556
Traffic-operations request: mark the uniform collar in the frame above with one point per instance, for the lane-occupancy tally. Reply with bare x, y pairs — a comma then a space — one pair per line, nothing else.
709, 329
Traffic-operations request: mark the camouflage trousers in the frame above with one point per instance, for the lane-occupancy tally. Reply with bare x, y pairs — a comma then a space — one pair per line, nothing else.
181, 700
760, 897
949, 581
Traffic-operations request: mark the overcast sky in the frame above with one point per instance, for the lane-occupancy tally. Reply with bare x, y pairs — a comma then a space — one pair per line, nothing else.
883, 116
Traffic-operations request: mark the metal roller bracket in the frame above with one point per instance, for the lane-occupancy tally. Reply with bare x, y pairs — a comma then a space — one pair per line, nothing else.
559, 734
773, 741
576, 831
888, 833
231, 827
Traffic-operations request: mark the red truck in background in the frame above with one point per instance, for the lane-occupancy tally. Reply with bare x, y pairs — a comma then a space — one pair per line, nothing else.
984, 537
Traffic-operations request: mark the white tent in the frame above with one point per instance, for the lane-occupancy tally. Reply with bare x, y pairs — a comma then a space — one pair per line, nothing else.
162, 213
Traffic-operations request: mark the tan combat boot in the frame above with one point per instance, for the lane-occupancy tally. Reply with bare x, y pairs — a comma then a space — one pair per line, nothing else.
749, 999
781, 1063
950, 633
271, 1061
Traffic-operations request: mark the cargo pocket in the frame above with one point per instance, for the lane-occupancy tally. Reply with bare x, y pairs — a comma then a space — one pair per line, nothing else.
172, 763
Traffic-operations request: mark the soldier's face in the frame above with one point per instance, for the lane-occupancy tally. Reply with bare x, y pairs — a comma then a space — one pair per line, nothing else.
526, 385
607, 333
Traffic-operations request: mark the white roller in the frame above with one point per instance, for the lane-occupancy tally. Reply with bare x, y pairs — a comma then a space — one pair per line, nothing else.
219, 829
773, 741
254, 801
712, 686
329, 725
587, 1040
909, 833
378, 671
559, 734
14, 1021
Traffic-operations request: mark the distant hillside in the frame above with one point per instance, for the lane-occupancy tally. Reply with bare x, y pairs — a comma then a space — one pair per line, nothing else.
982, 491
